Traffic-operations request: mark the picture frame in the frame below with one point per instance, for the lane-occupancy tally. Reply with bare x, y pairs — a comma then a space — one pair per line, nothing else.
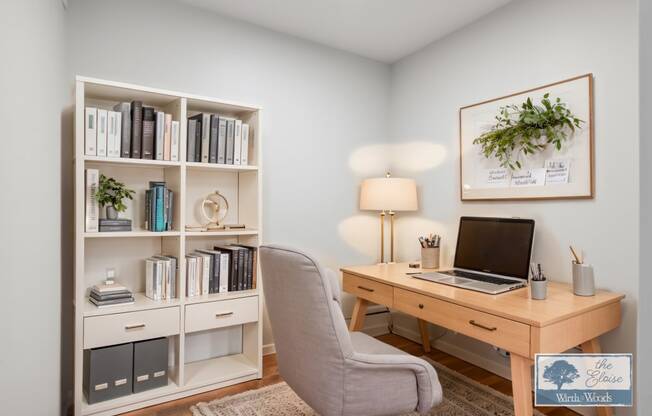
549, 174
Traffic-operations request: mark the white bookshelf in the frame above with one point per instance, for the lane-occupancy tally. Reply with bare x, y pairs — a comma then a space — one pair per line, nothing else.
192, 370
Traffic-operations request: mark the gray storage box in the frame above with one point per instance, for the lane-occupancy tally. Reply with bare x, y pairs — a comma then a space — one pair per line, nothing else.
108, 372
150, 364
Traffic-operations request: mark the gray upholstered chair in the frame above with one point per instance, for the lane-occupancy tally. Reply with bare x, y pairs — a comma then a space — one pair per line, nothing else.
334, 371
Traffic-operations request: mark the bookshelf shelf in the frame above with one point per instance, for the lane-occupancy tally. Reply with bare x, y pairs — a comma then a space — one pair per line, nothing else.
216, 370
94, 160
196, 365
225, 233
220, 167
141, 303
133, 234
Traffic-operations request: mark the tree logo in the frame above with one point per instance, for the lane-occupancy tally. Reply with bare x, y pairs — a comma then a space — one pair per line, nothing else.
560, 372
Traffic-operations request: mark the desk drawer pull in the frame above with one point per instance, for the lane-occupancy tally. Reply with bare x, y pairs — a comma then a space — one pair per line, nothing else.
135, 326
223, 314
365, 289
474, 323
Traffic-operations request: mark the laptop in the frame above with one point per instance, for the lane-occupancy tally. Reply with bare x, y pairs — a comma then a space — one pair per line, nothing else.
492, 255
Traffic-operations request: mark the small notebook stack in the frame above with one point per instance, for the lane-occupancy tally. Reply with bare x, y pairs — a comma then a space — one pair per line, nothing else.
120, 224
110, 294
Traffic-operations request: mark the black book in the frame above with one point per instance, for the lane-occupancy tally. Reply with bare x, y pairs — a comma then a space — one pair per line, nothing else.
212, 147
198, 134
136, 128
119, 221
149, 121
214, 279
125, 130
190, 145
233, 269
125, 294
114, 228
251, 265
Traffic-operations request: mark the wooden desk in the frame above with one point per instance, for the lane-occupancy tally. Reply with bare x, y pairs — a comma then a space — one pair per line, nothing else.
511, 320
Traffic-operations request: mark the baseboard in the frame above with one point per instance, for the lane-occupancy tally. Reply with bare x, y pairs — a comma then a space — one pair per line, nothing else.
269, 349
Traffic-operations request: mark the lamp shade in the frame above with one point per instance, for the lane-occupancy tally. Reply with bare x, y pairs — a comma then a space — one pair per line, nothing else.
388, 194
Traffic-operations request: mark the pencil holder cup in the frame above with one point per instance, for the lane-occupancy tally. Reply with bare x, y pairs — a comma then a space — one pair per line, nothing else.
583, 281
429, 257
538, 289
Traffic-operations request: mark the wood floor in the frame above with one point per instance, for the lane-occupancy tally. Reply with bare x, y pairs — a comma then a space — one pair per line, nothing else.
271, 376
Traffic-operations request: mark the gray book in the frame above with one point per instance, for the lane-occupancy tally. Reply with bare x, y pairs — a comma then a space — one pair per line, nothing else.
147, 148
212, 148
160, 135
125, 110
190, 150
221, 141
230, 136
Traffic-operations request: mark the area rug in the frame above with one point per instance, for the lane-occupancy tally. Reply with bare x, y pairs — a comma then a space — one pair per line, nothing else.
462, 397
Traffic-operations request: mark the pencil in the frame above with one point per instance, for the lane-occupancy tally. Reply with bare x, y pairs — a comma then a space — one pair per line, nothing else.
577, 259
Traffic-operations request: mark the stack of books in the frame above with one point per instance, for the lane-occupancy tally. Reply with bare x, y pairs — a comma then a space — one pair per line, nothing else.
161, 277
159, 204
223, 269
217, 139
110, 294
131, 131
120, 224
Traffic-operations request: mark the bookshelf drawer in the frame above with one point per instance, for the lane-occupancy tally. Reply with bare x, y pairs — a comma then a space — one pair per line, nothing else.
221, 313
509, 335
132, 326
368, 289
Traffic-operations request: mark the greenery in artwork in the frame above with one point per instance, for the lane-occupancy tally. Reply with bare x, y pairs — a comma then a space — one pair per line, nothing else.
113, 193
528, 129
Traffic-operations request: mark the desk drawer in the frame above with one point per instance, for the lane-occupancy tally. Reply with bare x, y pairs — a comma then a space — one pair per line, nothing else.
509, 335
131, 326
221, 313
370, 290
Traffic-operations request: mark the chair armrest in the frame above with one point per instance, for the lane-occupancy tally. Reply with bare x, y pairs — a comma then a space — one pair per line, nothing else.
429, 390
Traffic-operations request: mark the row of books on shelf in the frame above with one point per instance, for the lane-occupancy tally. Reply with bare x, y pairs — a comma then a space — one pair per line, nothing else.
131, 131
159, 207
225, 268
216, 139
161, 277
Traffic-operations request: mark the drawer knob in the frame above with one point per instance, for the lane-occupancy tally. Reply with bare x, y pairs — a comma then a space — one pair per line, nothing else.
223, 314
365, 289
135, 326
421, 306
474, 323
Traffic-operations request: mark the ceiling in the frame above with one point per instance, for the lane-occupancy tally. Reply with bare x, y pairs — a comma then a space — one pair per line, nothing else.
384, 30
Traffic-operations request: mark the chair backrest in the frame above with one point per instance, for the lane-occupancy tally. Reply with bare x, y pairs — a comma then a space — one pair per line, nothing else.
310, 333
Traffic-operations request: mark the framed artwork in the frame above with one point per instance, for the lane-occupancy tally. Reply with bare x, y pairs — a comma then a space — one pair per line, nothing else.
536, 168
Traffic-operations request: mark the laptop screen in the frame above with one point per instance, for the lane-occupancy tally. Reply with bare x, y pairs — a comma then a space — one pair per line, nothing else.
495, 245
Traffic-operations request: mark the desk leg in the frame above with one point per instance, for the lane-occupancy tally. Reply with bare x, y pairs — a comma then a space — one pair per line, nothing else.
425, 334
521, 385
359, 312
593, 347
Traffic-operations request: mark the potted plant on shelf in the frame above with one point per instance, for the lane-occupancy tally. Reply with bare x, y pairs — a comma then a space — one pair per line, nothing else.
112, 194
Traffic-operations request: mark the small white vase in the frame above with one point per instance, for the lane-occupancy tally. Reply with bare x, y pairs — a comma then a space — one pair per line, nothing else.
538, 289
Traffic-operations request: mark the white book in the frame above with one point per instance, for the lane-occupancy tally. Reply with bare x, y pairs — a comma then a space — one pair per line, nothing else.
205, 137
149, 277
110, 135
174, 145
199, 275
92, 207
237, 142
102, 121
244, 152
191, 263
90, 137
224, 273
205, 273
159, 135
118, 134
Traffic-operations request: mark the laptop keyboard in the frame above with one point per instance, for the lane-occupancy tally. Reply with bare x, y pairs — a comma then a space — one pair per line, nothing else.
479, 277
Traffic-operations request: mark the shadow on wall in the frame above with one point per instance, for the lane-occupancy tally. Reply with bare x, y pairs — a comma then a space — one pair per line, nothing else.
361, 231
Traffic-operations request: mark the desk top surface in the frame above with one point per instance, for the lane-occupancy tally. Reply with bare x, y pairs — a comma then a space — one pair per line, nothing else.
516, 305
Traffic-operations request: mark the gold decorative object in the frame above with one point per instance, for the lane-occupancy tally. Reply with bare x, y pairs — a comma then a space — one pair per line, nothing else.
214, 208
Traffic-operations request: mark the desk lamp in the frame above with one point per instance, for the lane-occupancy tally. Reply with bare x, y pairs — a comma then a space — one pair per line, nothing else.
388, 195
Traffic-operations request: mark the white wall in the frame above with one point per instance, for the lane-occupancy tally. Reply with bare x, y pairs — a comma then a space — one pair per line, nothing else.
644, 364
31, 99
523, 45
